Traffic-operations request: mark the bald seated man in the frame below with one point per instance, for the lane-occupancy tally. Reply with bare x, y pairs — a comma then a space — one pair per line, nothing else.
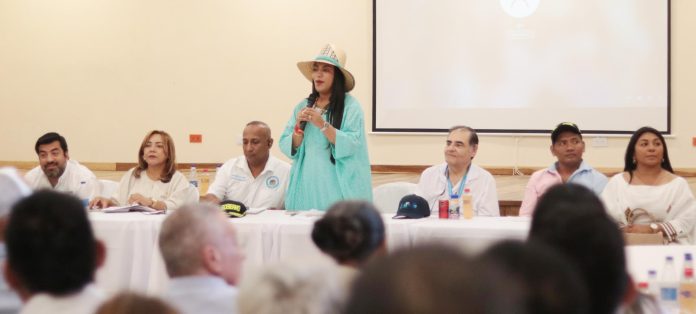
257, 179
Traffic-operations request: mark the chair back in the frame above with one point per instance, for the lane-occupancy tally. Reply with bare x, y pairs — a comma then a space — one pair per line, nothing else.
107, 188
386, 197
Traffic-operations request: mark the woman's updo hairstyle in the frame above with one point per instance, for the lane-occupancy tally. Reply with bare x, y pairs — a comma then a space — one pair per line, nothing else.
349, 231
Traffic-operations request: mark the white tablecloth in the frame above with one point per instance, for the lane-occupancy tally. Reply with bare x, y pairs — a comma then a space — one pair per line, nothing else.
134, 262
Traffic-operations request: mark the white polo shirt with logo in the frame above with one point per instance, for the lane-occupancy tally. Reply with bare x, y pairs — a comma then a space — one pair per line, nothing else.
235, 182
76, 179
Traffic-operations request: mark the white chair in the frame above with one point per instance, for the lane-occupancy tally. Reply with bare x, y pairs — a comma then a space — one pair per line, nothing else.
386, 197
107, 187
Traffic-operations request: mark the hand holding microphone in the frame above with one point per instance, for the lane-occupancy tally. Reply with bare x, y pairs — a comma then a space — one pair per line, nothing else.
311, 100
302, 116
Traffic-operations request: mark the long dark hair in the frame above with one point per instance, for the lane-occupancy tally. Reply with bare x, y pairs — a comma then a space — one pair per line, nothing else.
629, 163
336, 101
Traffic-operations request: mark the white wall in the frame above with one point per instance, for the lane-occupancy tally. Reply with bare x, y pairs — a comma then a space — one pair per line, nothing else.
104, 72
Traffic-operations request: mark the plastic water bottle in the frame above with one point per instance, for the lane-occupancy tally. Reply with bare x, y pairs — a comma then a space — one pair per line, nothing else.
205, 182
193, 177
687, 287
467, 205
83, 193
653, 288
669, 286
688, 263
454, 206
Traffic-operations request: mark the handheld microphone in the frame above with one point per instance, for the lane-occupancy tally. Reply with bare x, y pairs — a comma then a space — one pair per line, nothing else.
310, 104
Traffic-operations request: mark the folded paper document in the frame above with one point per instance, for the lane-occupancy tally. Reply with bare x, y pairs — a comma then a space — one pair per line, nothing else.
129, 208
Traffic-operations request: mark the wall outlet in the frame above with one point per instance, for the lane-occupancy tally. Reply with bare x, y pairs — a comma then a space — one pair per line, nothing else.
195, 138
600, 142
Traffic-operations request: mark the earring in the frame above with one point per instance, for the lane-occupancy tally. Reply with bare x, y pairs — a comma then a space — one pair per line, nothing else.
634, 160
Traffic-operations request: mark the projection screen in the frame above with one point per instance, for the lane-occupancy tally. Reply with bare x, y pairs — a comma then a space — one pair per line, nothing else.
521, 66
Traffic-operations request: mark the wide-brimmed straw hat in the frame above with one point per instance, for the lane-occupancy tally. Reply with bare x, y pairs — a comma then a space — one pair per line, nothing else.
329, 55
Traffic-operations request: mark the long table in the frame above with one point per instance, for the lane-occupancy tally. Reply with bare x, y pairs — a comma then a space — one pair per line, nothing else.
134, 261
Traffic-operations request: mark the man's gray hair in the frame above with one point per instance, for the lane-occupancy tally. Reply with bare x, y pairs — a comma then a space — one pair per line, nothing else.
184, 233
13, 188
296, 288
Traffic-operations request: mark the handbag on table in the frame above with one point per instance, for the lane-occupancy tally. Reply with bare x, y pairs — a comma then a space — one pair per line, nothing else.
632, 238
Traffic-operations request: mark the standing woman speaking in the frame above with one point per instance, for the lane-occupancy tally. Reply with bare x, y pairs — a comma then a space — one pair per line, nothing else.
325, 138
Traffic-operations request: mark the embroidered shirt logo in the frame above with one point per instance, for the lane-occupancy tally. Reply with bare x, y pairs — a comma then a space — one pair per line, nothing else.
272, 182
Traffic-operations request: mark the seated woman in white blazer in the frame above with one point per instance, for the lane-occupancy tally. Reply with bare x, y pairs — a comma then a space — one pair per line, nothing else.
155, 182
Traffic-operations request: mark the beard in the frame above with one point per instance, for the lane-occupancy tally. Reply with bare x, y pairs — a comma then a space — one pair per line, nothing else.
53, 172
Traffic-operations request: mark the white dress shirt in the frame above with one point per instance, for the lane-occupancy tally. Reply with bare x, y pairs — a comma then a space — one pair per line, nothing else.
178, 191
84, 302
433, 187
201, 295
267, 190
76, 179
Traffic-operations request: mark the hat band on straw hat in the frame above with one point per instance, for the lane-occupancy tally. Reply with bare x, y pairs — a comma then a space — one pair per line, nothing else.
329, 55
333, 61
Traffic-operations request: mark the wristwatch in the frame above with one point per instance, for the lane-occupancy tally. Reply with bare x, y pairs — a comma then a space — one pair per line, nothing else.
325, 126
655, 228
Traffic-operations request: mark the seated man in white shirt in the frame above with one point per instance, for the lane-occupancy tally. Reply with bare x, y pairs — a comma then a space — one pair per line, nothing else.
52, 255
458, 174
57, 171
257, 179
199, 247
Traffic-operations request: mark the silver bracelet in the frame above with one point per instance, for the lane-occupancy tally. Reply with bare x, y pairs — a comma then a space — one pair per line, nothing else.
325, 126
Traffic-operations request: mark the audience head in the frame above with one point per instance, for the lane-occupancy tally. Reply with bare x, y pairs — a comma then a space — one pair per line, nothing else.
52, 150
133, 303
295, 288
461, 146
157, 149
350, 232
571, 219
548, 282
257, 142
199, 239
567, 144
50, 245
431, 279
13, 189
647, 147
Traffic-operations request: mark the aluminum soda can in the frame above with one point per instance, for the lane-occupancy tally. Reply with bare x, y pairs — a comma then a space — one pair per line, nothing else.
444, 208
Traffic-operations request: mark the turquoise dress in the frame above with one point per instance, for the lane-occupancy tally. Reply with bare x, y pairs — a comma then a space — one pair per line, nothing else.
316, 183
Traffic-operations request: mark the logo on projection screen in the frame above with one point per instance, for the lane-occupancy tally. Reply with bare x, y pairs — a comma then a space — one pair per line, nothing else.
519, 8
